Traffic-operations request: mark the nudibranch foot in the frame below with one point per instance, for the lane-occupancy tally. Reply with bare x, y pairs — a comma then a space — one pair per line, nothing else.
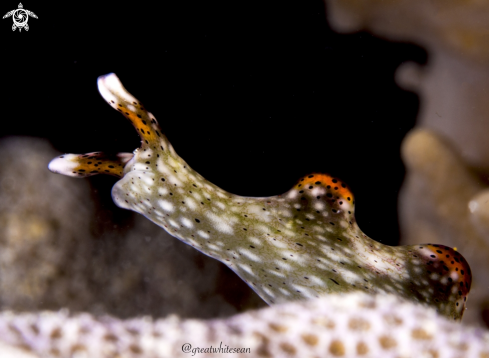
302, 244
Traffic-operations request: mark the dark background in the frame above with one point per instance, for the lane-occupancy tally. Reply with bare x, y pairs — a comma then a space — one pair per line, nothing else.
253, 95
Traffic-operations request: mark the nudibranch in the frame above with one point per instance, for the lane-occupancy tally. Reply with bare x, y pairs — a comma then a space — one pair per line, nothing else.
302, 244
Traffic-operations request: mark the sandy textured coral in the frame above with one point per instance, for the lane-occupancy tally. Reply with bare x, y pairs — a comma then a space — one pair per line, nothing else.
36, 247
353, 325
60, 249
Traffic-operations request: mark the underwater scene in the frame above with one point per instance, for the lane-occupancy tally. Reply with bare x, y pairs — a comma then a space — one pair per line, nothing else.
260, 179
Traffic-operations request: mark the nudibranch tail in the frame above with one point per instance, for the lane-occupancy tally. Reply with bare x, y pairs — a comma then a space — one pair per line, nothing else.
85, 165
440, 276
302, 244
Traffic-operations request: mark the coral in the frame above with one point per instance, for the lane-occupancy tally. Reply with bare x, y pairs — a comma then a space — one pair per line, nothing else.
60, 249
351, 325
302, 244
452, 85
32, 236
434, 205
459, 218
459, 27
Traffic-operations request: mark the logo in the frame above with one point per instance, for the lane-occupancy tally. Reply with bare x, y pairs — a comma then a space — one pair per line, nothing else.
20, 17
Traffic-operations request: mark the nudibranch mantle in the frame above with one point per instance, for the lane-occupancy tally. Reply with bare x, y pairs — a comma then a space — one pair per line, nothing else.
302, 244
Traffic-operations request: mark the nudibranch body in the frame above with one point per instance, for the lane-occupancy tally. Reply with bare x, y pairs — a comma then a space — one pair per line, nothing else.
302, 244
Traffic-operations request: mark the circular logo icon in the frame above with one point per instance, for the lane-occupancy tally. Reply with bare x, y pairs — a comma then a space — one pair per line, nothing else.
20, 17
